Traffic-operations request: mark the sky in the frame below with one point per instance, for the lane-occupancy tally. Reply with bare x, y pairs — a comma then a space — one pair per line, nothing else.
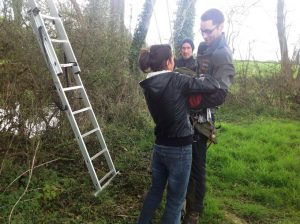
255, 30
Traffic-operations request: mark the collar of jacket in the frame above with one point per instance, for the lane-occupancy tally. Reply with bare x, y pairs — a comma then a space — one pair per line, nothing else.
188, 59
156, 73
208, 49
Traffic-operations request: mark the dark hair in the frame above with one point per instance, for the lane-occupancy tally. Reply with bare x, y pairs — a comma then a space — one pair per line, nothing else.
155, 58
189, 41
215, 15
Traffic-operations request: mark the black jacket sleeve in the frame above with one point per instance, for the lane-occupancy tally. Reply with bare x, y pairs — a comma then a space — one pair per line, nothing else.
214, 99
196, 85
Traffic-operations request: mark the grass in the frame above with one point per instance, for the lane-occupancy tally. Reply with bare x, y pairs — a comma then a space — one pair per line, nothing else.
256, 68
252, 176
254, 171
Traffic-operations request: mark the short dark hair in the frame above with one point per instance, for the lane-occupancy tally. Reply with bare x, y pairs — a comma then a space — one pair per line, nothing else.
213, 14
189, 41
155, 58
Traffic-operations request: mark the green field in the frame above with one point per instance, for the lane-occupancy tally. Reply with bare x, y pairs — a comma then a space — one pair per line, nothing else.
254, 172
253, 177
256, 68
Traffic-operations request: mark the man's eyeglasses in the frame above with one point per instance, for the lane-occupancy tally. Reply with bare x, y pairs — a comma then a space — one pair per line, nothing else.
208, 31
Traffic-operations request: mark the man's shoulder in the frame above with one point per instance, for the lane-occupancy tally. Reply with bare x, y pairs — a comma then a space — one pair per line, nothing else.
222, 54
224, 50
201, 48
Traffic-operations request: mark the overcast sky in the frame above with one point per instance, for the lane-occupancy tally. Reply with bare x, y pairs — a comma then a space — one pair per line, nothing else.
256, 29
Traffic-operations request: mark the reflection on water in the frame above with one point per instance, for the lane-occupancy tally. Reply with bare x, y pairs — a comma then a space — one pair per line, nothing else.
32, 127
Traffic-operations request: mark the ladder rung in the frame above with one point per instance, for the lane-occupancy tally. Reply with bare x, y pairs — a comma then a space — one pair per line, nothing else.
72, 88
49, 17
105, 185
67, 65
106, 175
59, 41
98, 154
81, 110
90, 132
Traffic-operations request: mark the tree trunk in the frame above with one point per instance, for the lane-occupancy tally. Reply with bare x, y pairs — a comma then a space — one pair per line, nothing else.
140, 34
285, 61
77, 10
184, 23
117, 9
17, 10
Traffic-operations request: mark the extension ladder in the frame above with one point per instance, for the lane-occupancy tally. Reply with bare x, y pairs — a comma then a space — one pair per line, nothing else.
47, 43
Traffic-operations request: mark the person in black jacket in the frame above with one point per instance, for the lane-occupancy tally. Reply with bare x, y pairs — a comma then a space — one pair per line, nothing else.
215, 59
186, 59
166, 94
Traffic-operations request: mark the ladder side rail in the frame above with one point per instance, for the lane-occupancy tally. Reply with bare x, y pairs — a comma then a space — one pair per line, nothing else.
43, 40
79, 138
61, 31
62, 34
32, 4
47, 49
95, 123
54, 66
99, 135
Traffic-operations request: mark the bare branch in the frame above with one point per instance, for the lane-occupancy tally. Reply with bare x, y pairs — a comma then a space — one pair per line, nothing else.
29, 179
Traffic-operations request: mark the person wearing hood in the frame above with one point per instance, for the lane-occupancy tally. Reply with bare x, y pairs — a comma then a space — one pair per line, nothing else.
215, 59
166, 94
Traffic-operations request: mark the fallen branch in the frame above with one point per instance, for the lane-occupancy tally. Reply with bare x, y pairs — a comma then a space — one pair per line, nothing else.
51, 161
2, 163
29, 179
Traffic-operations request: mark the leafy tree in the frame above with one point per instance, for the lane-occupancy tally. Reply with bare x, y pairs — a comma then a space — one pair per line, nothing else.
184, 23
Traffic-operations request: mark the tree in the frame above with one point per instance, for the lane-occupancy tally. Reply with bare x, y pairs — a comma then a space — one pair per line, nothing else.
184, 23
281, 29
17, 9
97, 12
117, 9
235, 18
6, 10
140, 34
77, 9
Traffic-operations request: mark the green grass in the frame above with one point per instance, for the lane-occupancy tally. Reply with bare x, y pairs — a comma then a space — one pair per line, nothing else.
256, 68
253, 175
255, 170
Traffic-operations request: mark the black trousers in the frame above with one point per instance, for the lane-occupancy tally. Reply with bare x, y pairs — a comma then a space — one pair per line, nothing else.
196, 187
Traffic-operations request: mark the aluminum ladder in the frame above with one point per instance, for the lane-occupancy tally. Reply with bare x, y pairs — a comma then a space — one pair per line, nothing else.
47, 43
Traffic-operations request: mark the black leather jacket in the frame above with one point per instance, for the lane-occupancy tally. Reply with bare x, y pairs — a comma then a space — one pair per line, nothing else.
166, 94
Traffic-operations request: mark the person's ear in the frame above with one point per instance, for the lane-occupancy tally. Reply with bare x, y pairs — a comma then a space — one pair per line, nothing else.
221, 27
170, 64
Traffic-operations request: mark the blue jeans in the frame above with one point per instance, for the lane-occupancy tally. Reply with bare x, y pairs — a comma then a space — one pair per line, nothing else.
170, 165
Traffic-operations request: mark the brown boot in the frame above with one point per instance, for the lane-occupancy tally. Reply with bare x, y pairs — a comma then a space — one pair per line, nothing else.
191, 218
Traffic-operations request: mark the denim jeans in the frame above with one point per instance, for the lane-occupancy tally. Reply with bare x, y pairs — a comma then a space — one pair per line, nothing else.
170, 165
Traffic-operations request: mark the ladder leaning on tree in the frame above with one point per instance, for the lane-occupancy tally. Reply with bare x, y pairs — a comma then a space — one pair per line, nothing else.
49, 43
